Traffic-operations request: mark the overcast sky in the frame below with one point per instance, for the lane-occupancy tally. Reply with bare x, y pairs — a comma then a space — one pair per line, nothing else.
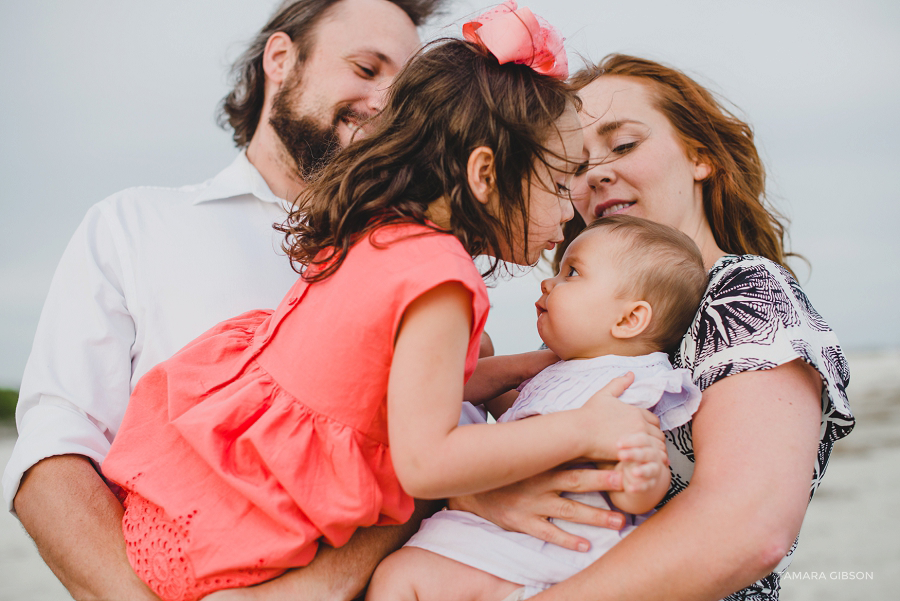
100, 95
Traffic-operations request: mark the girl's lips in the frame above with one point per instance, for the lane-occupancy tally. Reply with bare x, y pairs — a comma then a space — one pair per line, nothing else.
611, 207
552, 244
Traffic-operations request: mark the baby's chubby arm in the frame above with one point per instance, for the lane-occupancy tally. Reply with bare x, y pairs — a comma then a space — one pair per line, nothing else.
645, 475
500, 374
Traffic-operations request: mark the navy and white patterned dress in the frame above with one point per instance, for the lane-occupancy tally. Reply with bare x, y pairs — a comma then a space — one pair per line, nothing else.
754, 316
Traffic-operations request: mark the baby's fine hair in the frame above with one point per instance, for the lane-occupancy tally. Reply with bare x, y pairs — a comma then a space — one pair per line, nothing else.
662, 266
450, 99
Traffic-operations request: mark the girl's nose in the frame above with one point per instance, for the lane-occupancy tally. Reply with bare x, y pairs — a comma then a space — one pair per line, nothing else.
568, 210
547, 286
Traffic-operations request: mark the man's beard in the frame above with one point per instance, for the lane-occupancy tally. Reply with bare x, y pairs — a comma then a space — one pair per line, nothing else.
311, 144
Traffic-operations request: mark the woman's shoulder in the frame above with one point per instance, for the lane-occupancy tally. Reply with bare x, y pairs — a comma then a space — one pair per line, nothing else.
762, 286
755, 316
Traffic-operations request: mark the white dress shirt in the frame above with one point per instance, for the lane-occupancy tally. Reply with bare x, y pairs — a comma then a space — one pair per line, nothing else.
147, 271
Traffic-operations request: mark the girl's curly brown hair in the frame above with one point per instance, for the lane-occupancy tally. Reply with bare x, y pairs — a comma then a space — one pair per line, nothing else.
450, 99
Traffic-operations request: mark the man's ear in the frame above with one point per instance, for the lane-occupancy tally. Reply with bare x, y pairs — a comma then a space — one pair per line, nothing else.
633, 321
278, 58
480, 174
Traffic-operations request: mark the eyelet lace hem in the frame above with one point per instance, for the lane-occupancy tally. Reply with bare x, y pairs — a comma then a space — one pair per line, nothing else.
156, 547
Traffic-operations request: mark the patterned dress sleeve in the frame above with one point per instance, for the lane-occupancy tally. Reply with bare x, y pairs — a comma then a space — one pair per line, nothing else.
754, 316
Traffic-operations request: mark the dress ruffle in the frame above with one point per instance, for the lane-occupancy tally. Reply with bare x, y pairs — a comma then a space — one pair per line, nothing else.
267, 457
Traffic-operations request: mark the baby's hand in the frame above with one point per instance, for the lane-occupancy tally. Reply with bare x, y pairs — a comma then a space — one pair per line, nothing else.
643, 462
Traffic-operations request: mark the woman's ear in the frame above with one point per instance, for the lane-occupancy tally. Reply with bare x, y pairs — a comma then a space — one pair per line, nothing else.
633, 321
480, 174
702, 168
278, 58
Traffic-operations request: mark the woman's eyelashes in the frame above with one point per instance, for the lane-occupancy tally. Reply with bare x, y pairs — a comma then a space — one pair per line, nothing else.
612, 152
625, 147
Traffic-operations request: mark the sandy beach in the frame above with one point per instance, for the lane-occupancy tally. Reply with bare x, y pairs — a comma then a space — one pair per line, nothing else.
849, 544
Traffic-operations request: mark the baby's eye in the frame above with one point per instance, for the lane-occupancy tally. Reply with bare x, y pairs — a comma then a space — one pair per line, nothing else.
571, 272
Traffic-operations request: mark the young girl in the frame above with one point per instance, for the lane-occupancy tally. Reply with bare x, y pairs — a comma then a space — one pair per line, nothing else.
627, 289
270, 432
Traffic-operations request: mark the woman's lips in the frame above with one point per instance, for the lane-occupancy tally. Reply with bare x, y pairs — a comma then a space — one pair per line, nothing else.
611, 207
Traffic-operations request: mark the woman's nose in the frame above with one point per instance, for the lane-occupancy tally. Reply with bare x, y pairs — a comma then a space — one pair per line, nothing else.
599, 174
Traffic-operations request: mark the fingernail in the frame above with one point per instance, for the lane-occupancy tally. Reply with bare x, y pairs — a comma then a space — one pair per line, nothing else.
617, 522
583, 547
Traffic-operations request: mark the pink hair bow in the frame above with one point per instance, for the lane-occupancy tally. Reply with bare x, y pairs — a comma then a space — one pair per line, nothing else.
516, 35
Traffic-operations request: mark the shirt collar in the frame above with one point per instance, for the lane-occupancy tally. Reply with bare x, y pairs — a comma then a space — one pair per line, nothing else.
238, 179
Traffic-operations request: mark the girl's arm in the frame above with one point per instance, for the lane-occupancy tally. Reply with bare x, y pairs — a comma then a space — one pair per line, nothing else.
743, 508
433, 457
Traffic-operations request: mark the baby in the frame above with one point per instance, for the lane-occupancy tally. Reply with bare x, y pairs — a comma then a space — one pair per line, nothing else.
626, 292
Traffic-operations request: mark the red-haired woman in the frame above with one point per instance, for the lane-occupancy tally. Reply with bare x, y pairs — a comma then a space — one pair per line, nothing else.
659, 146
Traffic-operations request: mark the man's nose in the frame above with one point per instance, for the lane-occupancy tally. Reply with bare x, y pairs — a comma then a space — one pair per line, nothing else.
378, 95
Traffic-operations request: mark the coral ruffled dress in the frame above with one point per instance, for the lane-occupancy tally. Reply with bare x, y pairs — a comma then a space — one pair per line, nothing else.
269, 431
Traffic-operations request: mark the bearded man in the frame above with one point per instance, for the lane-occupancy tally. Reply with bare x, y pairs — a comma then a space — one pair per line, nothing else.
149, 269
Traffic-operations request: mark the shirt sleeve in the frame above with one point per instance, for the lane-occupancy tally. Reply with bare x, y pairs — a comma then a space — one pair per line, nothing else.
76, 383
754, 317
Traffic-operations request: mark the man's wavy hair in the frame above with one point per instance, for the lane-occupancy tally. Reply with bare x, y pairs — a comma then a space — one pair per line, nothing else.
242, 107
450, 99
734, 194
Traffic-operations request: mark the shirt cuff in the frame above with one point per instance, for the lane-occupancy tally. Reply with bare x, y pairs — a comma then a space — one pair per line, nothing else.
47, 431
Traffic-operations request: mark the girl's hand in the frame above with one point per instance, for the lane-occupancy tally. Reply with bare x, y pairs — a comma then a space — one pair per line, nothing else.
527, 506
605, 420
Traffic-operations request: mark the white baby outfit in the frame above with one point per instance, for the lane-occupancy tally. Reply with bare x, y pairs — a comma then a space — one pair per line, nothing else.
467, 538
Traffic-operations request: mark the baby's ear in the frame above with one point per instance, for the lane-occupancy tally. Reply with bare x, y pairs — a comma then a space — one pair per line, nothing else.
634, 320
480, 174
